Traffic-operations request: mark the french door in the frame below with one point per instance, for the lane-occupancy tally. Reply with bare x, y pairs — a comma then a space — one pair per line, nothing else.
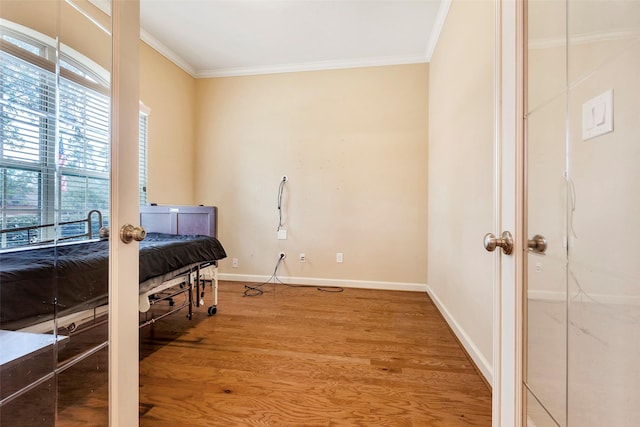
567, 335
582, 324
69, 110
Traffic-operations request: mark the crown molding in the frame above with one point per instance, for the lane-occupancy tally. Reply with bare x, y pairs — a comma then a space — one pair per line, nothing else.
280, 68
167, 53
312, 66
438, 25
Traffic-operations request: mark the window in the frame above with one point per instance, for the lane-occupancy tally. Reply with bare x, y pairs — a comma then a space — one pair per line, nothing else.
55, 150
142, 167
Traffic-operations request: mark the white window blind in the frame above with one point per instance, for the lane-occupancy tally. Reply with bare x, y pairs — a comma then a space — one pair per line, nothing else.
83, 152
143, 129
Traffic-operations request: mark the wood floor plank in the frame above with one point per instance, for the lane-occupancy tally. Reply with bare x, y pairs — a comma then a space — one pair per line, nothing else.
300, 357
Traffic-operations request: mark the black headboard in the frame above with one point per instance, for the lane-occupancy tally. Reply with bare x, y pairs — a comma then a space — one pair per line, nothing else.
182, 220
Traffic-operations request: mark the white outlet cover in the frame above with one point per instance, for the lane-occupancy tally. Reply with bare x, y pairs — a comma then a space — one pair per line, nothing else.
597, 115
282, 234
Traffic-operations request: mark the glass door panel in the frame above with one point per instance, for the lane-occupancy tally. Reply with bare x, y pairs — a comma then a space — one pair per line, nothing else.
583, 318
537, 415
84, 88
83, 392
54, 194
28, 284
604, 272
546, 308
546, 367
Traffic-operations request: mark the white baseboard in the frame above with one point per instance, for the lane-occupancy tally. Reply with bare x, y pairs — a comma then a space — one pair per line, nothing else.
312, 281
481, 362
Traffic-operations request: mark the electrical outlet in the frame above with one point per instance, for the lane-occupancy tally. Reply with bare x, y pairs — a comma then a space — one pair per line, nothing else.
339, 257
282, 255
285, 178
282, 234
303, 257
234, 263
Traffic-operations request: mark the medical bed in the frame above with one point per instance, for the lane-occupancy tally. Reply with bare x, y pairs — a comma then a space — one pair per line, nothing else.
63, 287
169, 225
41, 281
69, 280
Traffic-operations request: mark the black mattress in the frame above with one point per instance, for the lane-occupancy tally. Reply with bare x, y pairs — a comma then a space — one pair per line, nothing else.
77, 274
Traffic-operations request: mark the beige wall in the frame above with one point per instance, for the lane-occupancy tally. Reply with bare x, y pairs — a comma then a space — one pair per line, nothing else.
170, 94
353, 144
461, 175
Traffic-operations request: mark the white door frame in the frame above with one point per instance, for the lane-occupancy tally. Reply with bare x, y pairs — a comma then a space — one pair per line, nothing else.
507, 405
123, 258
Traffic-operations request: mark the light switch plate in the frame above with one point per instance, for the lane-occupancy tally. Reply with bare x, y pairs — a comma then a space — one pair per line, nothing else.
597, 115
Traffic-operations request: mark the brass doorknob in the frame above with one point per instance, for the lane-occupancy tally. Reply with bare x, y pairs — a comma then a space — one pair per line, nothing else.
505, 241
128, 233
538, 244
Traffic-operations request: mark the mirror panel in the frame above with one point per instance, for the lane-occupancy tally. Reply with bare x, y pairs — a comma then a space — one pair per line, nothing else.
604, 281
83, 171
28, 344
54, 193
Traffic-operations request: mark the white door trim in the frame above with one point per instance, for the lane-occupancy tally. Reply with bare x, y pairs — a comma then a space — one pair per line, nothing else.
508, 214
124, 208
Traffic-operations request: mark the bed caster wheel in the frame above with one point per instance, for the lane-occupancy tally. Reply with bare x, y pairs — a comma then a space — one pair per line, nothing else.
212, 310
189, 316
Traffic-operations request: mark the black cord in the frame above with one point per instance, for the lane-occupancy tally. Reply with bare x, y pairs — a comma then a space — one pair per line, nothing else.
319, 288
280, 193
256, 290
330, 289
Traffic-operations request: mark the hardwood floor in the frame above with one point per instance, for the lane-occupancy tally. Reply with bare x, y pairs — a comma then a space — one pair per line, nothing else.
296, 356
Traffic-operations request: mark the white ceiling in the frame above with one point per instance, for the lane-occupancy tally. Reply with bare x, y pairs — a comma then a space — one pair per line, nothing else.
211, 38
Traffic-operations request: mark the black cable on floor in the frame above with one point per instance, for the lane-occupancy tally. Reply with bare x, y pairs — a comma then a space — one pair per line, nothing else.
256, 290
319, 288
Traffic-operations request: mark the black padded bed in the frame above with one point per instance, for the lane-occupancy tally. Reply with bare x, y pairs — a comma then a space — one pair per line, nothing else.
74, 276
